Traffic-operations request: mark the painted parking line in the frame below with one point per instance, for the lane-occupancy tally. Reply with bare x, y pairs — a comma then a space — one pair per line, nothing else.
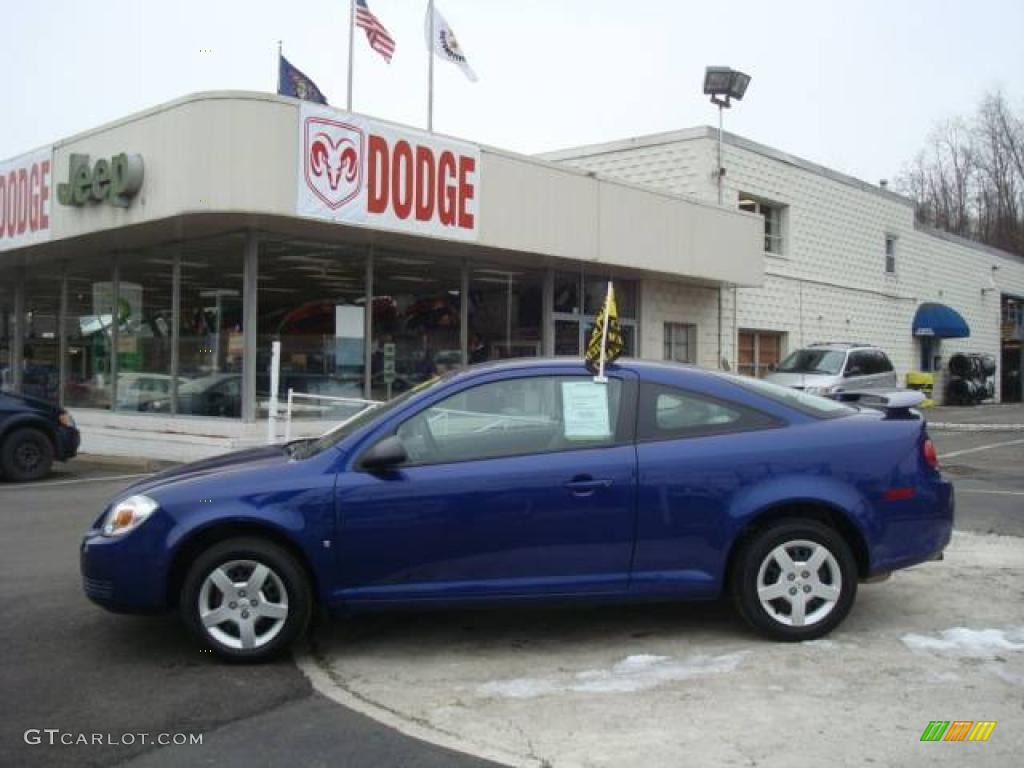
37, 486
990, 446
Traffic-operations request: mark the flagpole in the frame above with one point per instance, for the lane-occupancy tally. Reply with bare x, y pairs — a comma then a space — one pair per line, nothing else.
430, 69
279, 54
351, 57
604, 334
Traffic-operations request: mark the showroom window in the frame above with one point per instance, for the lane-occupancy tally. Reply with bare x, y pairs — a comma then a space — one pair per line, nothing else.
773, 221
759, 352
40, 372
416, 320
505, 312
681, 342
312, 298
6, 329
145, 326
890, 254
515, 417
210, 341
89, 330
574, 319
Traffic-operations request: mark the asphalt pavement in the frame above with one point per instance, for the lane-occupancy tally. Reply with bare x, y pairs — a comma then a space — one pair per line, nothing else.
69, 665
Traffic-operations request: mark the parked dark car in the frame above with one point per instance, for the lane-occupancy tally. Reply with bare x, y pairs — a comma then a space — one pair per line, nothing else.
527, 480
33, 433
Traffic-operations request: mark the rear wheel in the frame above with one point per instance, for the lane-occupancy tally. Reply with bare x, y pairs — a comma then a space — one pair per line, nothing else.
247, 599
795, 580
26, 454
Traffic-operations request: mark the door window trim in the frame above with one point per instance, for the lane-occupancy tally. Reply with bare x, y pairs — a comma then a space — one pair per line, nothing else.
752, 419
624, 432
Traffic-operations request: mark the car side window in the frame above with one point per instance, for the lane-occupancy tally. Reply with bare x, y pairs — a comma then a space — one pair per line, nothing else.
858, 364
667, 413
515, 417
882, 363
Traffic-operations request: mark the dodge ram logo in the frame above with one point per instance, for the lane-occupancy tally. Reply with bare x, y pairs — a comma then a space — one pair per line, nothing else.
333, 160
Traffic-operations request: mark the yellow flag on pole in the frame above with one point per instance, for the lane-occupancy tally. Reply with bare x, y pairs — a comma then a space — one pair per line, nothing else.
605, 343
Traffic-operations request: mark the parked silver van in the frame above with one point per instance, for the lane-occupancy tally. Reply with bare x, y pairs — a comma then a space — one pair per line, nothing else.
824, 369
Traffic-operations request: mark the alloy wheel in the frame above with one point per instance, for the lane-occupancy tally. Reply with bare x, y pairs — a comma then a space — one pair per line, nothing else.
243, 604
799, 583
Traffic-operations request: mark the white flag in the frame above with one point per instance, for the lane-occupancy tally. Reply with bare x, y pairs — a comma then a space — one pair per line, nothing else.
445, 45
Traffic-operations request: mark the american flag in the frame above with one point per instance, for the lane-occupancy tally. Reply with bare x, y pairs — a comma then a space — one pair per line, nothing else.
376, 35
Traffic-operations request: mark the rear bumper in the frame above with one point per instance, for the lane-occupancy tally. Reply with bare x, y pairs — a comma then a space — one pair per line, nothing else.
916, 531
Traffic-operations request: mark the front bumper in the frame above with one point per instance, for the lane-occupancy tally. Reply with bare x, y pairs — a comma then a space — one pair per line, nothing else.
68, 441
125, 574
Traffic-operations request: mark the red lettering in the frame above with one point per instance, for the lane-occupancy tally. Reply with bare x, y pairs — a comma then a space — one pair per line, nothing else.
3, 203
446, 191
466, 191
377, 198
44, 194
22, 201
424, 183
401, 180
33, 198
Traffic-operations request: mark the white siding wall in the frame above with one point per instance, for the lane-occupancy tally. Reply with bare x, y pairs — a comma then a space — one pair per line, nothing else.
830, 281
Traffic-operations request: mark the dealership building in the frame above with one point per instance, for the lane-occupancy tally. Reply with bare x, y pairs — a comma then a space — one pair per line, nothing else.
147, 266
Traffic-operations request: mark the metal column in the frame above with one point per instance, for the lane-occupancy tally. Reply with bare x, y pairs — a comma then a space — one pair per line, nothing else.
249, 319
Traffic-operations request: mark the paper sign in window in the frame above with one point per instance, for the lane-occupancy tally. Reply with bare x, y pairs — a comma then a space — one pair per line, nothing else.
585, 410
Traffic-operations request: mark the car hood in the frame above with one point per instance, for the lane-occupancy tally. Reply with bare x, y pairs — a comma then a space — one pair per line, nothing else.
261, 459
802, 379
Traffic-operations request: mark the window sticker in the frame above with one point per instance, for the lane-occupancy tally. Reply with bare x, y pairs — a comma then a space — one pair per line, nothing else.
585, 410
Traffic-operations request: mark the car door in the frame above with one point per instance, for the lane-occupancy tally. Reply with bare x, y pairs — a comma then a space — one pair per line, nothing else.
517, 486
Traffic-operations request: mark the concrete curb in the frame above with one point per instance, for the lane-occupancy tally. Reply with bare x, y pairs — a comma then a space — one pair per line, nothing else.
139, 463
329, 685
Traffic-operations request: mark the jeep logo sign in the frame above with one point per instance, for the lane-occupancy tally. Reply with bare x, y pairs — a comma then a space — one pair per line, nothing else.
357, 171
115, 181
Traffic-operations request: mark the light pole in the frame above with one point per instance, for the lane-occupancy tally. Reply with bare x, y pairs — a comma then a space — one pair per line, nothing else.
723, 84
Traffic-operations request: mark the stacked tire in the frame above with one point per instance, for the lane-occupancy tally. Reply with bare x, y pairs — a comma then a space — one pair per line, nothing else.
972, 378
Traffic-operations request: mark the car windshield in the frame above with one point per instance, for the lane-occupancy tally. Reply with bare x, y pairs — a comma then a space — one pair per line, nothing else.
303, 449
828, 361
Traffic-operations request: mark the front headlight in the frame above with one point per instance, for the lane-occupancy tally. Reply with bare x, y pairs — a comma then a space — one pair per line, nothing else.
65, 419
127, 515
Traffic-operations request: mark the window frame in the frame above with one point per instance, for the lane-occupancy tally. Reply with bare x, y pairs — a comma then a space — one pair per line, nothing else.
890, 254
669, 330
624, 431
774, 221
647, 431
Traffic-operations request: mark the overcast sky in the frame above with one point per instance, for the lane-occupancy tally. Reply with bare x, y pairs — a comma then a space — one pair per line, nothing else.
852, 85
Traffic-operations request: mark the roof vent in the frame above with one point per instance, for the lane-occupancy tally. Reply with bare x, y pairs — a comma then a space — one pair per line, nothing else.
883, 183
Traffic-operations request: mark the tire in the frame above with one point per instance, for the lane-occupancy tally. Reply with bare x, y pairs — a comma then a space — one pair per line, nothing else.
826, 595
218, 585
26, 454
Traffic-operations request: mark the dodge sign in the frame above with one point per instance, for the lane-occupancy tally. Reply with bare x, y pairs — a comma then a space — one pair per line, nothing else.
358, 171
25, 199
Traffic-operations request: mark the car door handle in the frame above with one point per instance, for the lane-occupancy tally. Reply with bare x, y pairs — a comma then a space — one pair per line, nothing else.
584, 485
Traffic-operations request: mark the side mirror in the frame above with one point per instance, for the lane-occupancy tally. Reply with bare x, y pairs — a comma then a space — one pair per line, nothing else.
853, 370
386, 454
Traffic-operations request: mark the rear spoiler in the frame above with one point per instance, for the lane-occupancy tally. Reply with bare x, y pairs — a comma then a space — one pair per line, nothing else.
896, 403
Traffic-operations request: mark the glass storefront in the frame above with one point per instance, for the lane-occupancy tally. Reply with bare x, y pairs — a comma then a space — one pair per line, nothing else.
161, 329
416, 331
312, 298
89, 331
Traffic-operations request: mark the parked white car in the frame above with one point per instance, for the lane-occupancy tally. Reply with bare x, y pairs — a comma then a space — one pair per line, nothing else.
825, 369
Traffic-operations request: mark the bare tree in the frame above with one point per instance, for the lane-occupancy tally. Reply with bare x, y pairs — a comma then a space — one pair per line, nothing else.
969, 179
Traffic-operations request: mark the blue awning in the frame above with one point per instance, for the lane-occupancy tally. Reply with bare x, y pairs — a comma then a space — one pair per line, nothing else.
940, 321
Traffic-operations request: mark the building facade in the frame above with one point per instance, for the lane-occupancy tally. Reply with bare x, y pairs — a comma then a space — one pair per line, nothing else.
148, 266
844, 260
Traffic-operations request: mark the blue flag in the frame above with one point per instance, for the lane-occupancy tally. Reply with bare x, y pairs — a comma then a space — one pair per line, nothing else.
291, 82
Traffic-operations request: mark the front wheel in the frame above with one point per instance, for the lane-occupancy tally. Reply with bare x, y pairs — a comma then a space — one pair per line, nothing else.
795, 580
26, 454
247, 599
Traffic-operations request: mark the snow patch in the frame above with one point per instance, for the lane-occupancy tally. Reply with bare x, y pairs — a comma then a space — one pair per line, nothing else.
634, 673
968, 643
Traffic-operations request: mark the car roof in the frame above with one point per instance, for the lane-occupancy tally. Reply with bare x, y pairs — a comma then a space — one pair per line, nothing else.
841, 345
576, 365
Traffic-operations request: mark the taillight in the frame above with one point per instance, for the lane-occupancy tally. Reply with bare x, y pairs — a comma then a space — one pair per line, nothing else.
930, 456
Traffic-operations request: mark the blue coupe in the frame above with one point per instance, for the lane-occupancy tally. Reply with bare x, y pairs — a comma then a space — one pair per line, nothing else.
528, 480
